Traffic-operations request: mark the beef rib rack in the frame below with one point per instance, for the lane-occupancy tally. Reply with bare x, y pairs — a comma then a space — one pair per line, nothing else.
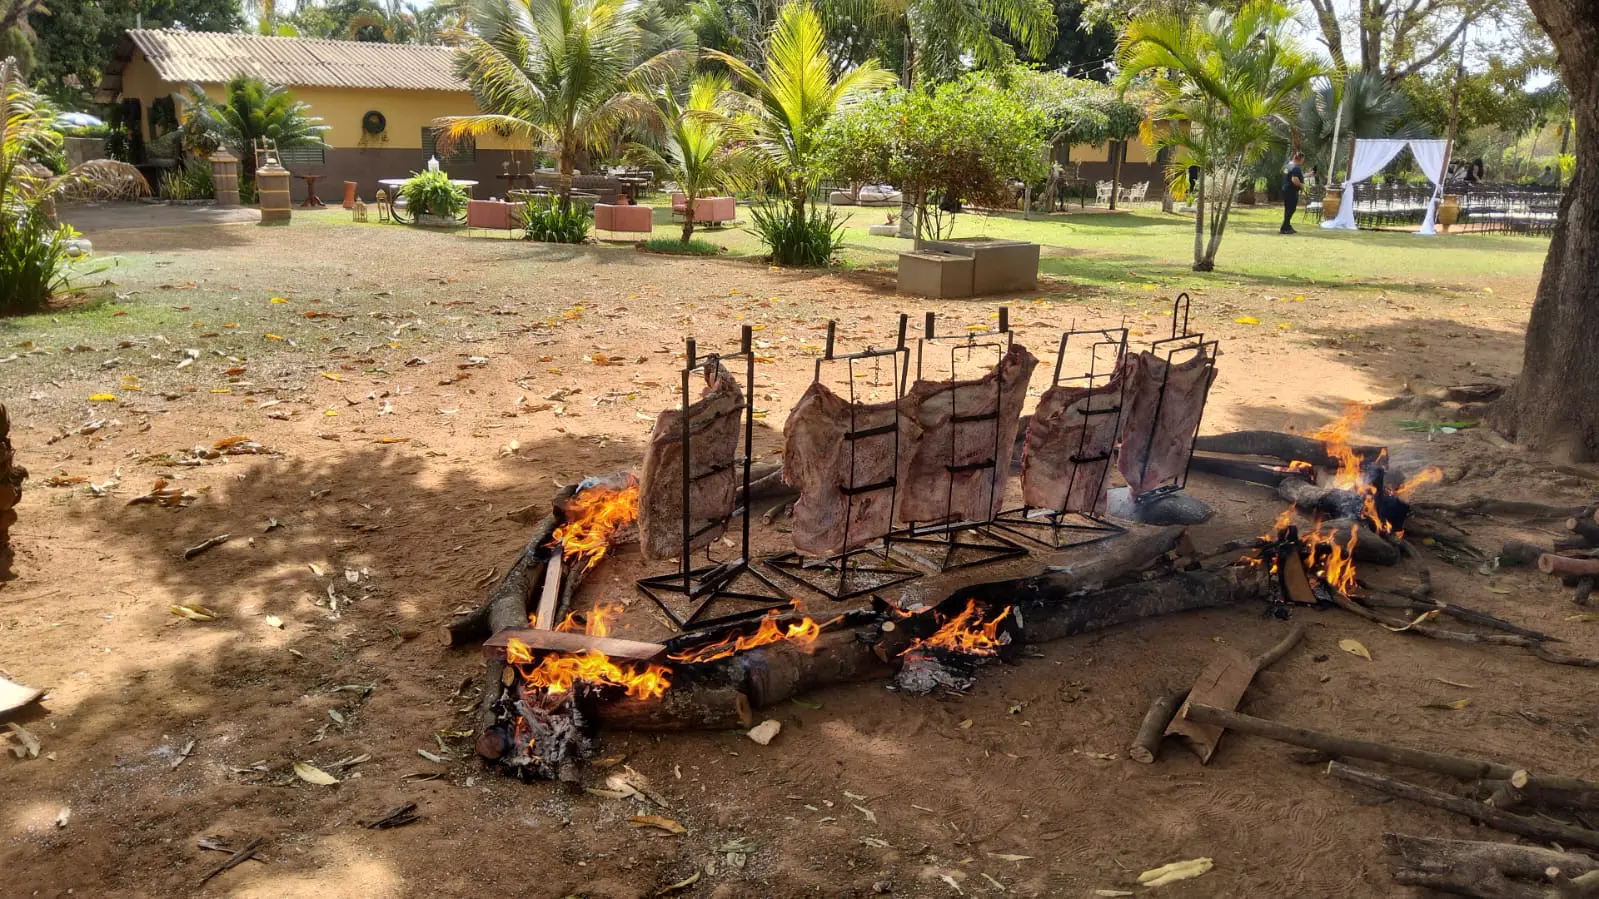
714, 428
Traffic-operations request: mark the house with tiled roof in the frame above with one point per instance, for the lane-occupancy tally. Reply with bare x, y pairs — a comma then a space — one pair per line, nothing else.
376, 99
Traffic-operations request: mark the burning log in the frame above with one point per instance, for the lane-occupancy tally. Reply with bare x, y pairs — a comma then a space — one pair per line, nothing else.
506, 605
683, 707
1253, 472
1287, 447
1369, 546
1488, 870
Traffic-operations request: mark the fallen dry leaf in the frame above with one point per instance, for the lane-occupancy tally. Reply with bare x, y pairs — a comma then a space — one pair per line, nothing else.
193, 612
311, 774
683, 884
657, 822
1184, 870
1423, 618
1354, 647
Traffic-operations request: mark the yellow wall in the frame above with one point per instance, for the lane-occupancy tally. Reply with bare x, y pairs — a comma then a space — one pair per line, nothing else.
341, 109
1091, 153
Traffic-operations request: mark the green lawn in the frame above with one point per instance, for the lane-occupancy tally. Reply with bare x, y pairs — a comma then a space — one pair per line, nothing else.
1105, 250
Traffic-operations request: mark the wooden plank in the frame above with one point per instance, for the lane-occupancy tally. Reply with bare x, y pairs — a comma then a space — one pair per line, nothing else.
544, 614
1221, 685
559, 641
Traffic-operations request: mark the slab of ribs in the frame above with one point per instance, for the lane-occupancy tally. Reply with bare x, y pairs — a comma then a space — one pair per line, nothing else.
1066, 458
715, 425
957, 467
841, 456
1155, 450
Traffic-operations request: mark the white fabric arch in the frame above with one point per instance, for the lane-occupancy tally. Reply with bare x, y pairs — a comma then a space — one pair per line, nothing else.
1372, 155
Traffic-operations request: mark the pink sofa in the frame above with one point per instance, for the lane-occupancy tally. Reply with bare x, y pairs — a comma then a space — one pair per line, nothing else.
623, 219
707, 210
493, 214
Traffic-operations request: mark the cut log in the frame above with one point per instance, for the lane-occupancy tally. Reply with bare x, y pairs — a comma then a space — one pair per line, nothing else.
1584, 527
520, 581
1549, 563
1584, 589
1369, 546
1484, 869
683, 707
560, 641
1553, 791
1263, 473
1334, 502
1146, 743
1489, 506
1542, 830
1287, 447
550, 593
1520, 553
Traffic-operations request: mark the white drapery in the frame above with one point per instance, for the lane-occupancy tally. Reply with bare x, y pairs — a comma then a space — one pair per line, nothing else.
1432, 156
1370, 158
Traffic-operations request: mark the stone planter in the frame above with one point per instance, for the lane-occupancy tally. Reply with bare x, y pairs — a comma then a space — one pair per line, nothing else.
940, 275
428, 220
998, 266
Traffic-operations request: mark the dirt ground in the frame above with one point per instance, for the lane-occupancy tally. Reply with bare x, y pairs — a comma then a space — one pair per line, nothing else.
412, 389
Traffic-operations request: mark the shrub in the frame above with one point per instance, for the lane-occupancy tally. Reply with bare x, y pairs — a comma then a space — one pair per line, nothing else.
810, 237
33, 263
431, 193
547, 220
190, 181
671, 246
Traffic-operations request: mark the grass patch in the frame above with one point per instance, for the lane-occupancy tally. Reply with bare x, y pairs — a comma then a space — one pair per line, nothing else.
672, 246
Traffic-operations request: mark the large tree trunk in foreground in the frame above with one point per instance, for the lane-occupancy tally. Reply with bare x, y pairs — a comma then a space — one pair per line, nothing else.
1554, 406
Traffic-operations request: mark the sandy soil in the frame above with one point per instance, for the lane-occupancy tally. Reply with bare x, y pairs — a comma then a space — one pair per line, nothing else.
407, 415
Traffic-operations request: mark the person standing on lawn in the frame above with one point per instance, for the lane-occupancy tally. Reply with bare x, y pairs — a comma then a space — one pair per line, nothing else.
1293, 182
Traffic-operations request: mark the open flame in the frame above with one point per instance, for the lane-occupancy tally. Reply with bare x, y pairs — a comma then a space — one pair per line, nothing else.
559, 672
968, 633
1327, 555
803, 632
594, 519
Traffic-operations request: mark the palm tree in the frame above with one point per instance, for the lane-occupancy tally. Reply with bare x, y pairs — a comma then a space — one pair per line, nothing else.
562, 72
697, 147
254, 110
1363, 104
1229, 82
785, 107
942, 37
32, 255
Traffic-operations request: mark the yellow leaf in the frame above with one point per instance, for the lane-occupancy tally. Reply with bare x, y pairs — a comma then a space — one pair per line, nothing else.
194, 612
279, 300
311, 774
102, 398
394, 440
656, 821
1283, 326
330, 413
274, 337
1175, 871
1355, 648
1583, 616
1247, 320
230, 324
1299, 298
330, 376
222, 390
1459, 704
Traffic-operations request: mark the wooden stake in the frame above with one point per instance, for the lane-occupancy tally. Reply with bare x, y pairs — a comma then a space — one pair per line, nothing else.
236, 859
550, 597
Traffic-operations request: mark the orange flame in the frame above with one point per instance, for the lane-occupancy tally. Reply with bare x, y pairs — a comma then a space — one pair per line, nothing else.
804, 632
1429, 475
593, 519
968, 633
558, 672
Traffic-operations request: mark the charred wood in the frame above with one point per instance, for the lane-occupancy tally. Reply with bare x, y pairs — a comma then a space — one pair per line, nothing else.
1287, 447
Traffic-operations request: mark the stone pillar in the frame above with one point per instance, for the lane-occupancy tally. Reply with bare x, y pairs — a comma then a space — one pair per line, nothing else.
225, 177
272, 183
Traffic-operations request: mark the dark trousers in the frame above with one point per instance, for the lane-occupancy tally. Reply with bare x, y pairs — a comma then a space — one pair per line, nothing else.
1290, 203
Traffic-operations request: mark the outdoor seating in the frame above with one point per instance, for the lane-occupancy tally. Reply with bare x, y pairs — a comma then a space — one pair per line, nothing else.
623, 219
496, 215
1102, 192
707, 210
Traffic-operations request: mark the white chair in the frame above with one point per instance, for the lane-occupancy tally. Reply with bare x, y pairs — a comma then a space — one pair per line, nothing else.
1102, 191
1140, 191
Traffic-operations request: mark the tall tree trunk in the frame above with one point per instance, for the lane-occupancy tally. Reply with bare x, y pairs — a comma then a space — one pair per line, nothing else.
567, 165
909, 213
1118, 149
1199, 221
688, 217
1554, 406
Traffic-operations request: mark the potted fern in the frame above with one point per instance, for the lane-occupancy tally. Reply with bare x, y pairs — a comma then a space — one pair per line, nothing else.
433, 200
